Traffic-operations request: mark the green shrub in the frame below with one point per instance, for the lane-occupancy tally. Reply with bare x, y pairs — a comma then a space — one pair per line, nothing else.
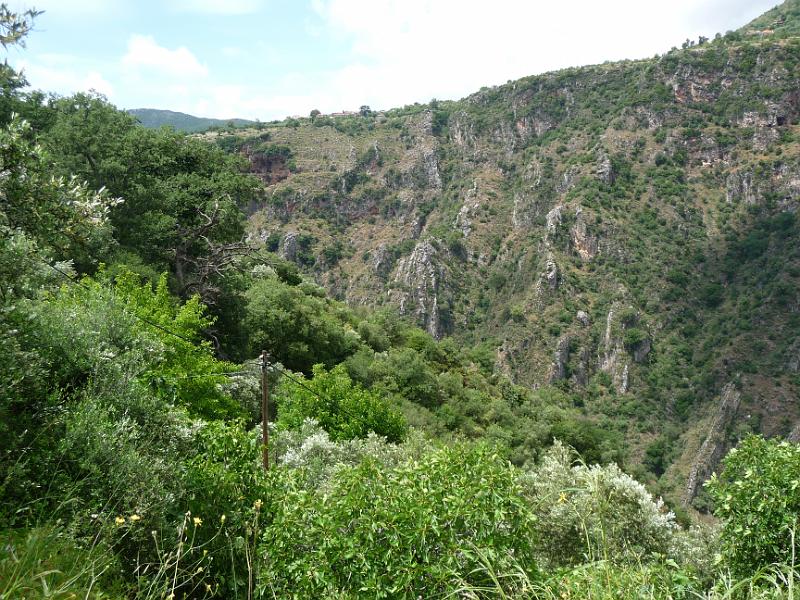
343, 408
309, 448
405, 532
46, 563
758, 497
633, 337
295, 326
594, 512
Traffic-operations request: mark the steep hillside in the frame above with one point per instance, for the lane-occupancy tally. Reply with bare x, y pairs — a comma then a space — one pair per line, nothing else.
626, 232
154, 118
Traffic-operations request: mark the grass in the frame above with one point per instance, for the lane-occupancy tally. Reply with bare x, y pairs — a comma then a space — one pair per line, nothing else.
44, 562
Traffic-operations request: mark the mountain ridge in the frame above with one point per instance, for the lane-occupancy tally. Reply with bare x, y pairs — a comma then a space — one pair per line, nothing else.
597, 227
156, 117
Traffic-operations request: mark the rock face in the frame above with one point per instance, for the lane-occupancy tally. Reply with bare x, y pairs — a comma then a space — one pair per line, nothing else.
581, 375
739, 188
463, 221
794, 435
270, 169
584, 243
715, 444
288, 246
613, 359
381, 261
550, 275
514, 214
553, 220
605, 170
418, 279
642, 349
558, 369
462, 131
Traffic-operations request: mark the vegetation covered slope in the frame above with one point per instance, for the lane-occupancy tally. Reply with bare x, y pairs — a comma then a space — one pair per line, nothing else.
155, 118
132, 314
623, 232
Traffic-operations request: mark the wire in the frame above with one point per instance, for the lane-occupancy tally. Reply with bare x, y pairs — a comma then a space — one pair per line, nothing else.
268, 365
317, 394
199, 376
135, 315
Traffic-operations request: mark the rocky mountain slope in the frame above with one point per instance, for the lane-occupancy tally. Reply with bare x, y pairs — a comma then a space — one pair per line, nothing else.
625, 232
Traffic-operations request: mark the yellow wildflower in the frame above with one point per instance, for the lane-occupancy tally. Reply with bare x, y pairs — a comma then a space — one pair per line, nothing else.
119, 520
222, 519
258, 504
197, 521
562, 498
134, 518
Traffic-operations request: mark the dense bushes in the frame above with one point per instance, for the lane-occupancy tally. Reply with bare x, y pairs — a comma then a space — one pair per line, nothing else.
125, 434
588, 513
404, 532
298, 329
758, 496
344, 409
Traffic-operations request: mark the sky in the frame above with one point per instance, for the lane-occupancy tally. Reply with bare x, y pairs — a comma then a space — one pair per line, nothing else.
268, 59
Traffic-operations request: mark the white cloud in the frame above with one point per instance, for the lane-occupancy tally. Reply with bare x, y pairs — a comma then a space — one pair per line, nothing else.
95, 81
64, 75
145, 54
69, 7
218, 7
412, 50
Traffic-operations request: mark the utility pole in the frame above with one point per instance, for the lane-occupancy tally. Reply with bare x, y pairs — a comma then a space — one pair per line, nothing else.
265, 408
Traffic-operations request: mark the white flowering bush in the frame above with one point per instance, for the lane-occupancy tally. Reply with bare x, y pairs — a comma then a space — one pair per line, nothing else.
61, 213
594, 512
311, 448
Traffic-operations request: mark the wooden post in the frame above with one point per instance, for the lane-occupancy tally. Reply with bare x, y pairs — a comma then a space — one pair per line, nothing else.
265, 408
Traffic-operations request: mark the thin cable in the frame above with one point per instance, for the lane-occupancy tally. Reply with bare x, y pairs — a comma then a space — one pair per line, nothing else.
317, 394
200, 376
185, 339
135, 315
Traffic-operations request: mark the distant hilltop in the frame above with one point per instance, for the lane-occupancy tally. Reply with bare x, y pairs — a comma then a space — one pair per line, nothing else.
154, 118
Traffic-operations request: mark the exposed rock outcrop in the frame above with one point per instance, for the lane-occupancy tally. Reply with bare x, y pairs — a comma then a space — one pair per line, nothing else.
554, 219
462, 131
613, 359
558, 370
715, 444
605, 169
381, 261
550, 275
288, 246
581, 374
642, 349
469, 208
418, 281
585, 244
739, 187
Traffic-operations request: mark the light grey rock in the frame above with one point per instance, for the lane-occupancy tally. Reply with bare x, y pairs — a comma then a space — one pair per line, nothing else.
715, 444
558, 370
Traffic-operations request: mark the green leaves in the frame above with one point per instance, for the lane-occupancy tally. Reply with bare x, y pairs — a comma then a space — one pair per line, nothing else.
758, 498
404, 532
298, 328
342, 408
